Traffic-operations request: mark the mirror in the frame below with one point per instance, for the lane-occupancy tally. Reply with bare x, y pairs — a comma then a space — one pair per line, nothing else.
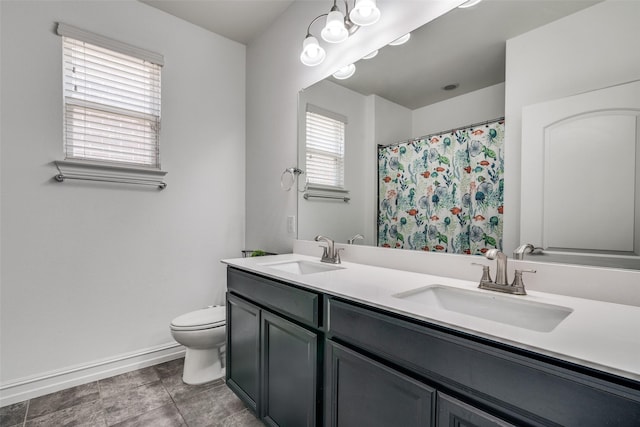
399, 95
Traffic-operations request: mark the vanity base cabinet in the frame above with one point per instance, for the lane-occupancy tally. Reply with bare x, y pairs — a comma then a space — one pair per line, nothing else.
274, 349
362, 392
299, 358
513, 385
289, 364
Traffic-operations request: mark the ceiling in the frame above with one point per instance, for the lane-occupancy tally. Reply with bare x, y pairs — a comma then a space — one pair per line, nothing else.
465, 46
238, 20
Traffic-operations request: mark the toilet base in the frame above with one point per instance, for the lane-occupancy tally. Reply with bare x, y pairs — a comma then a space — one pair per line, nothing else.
202, 366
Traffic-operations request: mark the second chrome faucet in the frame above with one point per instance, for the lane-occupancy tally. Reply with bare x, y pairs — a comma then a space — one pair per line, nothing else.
331, 254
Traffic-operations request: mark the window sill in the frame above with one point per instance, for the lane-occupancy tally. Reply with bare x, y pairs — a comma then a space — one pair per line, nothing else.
93, 171
326, 188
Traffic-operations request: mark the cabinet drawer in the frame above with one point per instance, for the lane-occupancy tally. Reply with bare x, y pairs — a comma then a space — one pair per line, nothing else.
536, 392
293, 302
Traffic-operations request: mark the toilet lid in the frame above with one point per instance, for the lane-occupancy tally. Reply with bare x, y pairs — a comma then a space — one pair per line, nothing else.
201, 319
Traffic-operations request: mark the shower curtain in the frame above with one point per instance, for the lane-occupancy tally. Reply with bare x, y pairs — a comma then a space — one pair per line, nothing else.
443, 192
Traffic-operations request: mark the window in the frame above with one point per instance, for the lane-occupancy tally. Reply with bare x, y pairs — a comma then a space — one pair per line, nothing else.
325, 141
111, 100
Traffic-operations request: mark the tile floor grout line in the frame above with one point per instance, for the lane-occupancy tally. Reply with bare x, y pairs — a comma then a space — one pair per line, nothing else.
233, 414
148, 409
175, 404
172, 399
100, 398
26, 412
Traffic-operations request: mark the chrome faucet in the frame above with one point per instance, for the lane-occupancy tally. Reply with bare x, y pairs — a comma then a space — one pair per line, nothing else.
501, 283
522, 250
330, 254
354, 238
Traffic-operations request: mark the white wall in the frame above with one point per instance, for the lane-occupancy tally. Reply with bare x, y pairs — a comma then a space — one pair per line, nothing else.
391, 123
474, 107
591, 49
92, 274
335, 218
274, 77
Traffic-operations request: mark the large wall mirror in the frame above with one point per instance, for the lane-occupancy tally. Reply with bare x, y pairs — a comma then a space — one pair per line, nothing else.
451, 74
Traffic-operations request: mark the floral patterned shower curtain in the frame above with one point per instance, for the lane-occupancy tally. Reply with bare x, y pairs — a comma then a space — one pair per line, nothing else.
443, 192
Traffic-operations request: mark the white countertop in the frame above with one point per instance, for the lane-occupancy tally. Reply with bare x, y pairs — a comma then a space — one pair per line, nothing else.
600, 335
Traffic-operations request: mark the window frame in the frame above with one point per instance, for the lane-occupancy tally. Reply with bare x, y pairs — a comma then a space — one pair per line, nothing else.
103, 168
338, 178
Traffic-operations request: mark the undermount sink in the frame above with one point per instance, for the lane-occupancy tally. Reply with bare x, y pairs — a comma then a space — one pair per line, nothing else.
302, 267
514, 311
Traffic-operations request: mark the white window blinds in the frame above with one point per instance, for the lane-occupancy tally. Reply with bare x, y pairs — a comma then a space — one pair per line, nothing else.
325, 143
111, 102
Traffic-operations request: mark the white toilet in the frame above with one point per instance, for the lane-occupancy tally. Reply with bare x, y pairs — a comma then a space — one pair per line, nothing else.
203, 333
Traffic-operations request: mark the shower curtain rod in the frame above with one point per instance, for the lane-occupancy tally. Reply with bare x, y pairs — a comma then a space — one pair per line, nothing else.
406, 141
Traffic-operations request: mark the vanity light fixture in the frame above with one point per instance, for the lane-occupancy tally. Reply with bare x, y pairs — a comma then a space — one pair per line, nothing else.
401, 40
338, 27
345, 72
469, 3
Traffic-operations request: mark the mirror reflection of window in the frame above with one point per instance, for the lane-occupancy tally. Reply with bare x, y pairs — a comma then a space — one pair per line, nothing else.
325, 143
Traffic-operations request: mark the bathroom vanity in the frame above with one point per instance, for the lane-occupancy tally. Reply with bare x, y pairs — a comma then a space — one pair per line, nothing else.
311, 344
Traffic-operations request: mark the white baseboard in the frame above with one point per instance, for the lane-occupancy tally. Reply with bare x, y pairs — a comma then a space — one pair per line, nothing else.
52, 381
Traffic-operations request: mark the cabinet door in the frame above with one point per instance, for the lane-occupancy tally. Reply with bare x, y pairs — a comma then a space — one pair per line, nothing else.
362, 392
243, 350
289, 372
454, 413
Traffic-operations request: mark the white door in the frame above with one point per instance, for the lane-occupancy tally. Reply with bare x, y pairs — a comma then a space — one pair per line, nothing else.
581, 174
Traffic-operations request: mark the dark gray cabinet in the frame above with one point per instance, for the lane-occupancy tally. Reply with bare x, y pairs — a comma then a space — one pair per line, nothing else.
454, 413
289, 365
299, 358
362, 392
243, 350
273, 348
519, 388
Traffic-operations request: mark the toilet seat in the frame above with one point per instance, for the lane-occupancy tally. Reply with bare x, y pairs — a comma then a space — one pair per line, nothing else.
206, 318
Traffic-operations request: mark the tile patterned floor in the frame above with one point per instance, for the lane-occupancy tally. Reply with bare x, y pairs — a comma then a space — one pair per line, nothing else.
153, 396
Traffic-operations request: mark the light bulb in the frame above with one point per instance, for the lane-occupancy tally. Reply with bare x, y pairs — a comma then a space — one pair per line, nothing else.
334, 31
345, 72
401, 40
469, 3
312, 53
371, 55
365, 12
